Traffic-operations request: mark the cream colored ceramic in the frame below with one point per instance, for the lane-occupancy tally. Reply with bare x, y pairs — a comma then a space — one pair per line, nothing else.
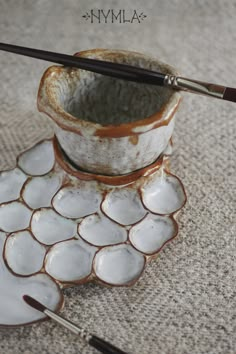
61, 225
58, 229
70, 261
13, 310
24, 255
106, 125
131, 264
57, 216
98, 230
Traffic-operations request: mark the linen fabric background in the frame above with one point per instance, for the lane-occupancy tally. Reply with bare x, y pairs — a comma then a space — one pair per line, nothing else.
186, 300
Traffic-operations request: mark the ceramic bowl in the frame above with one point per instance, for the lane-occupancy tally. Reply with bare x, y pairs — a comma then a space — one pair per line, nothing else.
105, 125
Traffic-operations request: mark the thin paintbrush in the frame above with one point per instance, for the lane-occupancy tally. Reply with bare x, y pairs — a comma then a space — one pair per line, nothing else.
127, 72
96, 342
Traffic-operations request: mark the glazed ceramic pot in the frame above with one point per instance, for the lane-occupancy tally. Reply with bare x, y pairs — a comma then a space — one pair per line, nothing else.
96, 202
105, 125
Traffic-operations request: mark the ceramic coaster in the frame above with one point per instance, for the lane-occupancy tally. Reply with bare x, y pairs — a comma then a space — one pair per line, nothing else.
58, 230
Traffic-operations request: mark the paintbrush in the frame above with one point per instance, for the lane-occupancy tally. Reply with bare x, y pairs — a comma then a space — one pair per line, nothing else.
127, 72
96, 342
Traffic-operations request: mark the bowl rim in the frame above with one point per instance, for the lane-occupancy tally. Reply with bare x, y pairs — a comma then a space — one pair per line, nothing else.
48, 103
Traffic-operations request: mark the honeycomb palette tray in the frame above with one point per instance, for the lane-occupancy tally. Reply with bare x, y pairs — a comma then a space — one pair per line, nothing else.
58, 231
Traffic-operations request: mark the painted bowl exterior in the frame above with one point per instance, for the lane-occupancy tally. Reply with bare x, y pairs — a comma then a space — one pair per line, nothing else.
109, 149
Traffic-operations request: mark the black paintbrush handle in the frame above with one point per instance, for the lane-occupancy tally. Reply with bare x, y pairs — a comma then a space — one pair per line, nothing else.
126, 72
104, 347
117, 70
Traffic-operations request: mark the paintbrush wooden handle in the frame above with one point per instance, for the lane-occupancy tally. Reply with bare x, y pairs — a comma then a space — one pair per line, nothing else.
104, 347
117, 70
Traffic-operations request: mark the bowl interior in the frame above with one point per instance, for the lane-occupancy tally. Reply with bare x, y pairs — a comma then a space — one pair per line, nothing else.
106, 100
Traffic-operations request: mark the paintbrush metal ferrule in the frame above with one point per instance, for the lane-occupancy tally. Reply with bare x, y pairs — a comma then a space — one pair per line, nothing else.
200, 87
69, 325
98, 343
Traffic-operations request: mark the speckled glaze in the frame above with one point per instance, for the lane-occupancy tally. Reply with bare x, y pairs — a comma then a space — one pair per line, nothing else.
105, 125
97, 201
58, 230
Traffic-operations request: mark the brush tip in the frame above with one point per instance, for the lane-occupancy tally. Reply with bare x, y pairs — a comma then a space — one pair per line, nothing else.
34, 303
230, 94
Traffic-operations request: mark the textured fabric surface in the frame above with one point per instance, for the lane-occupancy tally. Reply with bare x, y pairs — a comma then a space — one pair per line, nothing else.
186, 300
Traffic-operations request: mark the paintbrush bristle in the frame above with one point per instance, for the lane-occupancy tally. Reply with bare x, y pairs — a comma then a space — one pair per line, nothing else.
230, 94
34, 303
